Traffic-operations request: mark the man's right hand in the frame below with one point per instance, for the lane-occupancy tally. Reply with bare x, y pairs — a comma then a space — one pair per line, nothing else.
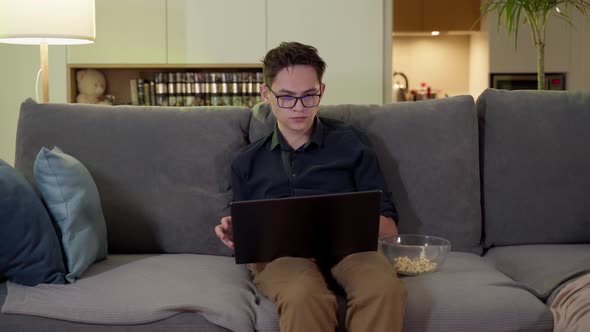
225, 232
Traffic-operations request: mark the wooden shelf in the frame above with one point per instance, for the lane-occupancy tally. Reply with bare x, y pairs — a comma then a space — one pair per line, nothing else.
118, 75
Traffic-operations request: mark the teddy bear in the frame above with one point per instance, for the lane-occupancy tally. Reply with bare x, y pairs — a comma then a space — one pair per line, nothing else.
91, 87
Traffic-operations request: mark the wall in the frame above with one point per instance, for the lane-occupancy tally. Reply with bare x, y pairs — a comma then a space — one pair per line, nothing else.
19, 65
350, 40
479, 59
579, 78
479, 65
442, 61
505, 58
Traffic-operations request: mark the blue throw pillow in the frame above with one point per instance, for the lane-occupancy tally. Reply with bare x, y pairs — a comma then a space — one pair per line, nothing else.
72, 199
30, 253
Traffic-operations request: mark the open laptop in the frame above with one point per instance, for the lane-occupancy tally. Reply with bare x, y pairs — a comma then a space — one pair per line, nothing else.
320, 226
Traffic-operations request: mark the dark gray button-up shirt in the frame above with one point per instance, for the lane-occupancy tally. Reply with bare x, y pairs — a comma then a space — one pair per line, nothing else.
336, 159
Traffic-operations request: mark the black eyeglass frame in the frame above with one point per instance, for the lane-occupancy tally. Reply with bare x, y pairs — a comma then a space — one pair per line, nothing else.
297, 99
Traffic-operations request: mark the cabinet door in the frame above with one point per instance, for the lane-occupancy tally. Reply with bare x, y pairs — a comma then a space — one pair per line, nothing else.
216, 32
450, 15
349, 37
407, 15
127, 31
431, 15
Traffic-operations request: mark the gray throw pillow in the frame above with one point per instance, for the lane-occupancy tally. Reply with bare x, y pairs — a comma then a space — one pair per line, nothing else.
73, 201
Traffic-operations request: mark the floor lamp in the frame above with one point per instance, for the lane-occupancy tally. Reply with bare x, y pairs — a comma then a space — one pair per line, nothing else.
44, 23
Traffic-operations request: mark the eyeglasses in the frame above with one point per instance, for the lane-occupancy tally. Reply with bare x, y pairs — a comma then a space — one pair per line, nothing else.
286, 101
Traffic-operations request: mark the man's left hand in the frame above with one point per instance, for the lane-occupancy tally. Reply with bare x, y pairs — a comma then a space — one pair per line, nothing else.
387, 226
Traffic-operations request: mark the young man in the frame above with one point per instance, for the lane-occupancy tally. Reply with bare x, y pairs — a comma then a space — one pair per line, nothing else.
307, 155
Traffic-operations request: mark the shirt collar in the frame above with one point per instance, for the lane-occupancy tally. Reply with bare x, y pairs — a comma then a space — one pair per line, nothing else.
317, 137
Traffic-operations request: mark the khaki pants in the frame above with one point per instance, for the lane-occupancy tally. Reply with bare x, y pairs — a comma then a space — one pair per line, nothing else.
376, 297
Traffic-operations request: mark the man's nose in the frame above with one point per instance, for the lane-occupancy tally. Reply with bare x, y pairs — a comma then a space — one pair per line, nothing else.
298, 106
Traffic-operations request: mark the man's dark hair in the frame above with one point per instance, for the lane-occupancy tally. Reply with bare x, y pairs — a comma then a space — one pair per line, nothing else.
289, 54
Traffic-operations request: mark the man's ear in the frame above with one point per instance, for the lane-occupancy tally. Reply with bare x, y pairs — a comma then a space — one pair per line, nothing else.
323, 88
264, 93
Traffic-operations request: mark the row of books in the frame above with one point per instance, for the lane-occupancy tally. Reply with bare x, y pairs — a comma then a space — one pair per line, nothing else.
197, 89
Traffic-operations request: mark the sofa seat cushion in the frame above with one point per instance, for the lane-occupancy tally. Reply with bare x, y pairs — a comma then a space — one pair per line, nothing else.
137, 289
469, 294
182, 322
466, 294
541, 268
428, 152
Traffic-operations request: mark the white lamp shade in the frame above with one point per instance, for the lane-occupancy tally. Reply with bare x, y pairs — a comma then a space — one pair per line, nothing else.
56, 22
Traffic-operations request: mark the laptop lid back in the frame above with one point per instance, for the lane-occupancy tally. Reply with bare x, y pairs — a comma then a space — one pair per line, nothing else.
320, 226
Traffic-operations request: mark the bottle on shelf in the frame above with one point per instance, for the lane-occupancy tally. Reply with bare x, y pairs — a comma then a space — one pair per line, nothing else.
140, 92
147, 95
207, 90
152, 86
199, 87
244, 84
133, 91
180, 89
226, 98
236, 90
258, 97
247, 90
189, 83
171, 89
161, 89
215, 93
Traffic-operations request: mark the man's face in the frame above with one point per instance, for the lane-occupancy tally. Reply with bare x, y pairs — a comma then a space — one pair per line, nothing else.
295, 81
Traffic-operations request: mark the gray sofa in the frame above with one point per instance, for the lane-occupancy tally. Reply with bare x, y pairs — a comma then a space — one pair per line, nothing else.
506, 179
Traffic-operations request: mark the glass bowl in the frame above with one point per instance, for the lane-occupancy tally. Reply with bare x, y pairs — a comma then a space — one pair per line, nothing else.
413, 254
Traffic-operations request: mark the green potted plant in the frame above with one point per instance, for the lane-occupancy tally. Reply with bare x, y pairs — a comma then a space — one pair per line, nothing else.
534, 13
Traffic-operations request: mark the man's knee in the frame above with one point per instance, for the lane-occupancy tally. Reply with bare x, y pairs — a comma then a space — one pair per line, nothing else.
302, 296
295, 282
370, 277
395, 289
306, 291
383, 287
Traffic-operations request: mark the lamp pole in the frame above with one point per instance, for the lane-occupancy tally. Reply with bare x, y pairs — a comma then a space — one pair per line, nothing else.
44, 47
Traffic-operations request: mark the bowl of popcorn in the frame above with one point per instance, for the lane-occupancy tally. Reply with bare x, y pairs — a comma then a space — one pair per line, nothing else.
413, 254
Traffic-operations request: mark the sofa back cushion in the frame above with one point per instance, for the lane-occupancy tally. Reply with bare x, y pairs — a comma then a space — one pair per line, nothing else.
428, 152
535, 165
163, 174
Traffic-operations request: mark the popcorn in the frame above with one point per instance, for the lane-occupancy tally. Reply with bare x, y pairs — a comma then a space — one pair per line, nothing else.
405, 265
